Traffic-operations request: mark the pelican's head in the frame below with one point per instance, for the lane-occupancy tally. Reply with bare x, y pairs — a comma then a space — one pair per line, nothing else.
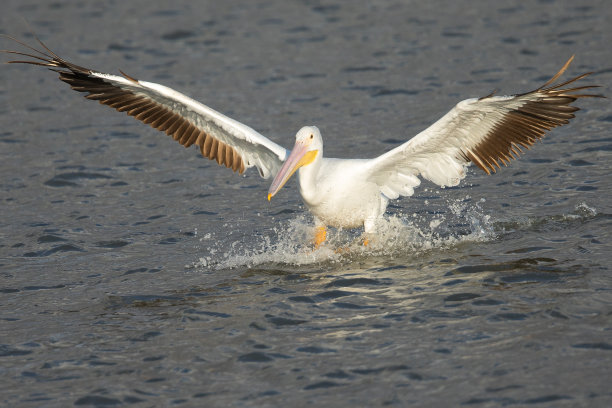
308, 144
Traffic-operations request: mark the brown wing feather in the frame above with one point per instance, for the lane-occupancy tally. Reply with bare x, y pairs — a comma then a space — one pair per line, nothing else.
140, 107
156, 115
524, 126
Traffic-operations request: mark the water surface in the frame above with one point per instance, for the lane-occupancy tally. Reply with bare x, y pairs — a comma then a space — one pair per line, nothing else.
134, 272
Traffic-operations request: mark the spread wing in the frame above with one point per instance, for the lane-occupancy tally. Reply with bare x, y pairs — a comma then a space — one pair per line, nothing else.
488, 131
187, 121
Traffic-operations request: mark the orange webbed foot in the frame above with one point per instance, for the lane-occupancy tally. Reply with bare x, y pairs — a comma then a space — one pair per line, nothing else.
320, 236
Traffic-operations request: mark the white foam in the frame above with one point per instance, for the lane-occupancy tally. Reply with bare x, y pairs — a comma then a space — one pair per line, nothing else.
397, 235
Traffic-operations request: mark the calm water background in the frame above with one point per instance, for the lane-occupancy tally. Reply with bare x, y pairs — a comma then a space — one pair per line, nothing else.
134, 272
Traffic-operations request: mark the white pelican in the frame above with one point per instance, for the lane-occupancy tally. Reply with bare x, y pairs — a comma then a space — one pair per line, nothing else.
344, 193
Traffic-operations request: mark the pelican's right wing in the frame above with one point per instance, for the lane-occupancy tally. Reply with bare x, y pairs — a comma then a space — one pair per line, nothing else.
219, 137
485, 131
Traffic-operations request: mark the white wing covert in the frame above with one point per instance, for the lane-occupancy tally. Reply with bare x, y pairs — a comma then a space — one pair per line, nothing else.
484, 131
187, 121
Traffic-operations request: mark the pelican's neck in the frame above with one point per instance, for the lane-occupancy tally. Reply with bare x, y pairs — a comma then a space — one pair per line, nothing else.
307, 177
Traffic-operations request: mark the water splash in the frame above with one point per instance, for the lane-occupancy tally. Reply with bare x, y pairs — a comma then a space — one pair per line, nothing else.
582, 213
582, 210
398, 235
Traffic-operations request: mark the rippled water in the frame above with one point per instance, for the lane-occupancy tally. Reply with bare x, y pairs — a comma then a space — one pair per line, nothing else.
133, 272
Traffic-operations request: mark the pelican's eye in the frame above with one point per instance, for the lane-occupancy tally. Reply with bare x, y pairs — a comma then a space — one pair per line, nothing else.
312, 136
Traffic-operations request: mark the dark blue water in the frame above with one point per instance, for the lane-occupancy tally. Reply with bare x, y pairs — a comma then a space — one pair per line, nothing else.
135, 273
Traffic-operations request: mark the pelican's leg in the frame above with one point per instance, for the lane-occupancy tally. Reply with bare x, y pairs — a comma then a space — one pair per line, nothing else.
369, 230
320, 235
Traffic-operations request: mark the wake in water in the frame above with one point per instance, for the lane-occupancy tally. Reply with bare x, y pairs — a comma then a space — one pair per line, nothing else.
398, 235
581, 213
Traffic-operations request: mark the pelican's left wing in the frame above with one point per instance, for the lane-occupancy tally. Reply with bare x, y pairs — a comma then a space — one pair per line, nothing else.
219, 137
484, 131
